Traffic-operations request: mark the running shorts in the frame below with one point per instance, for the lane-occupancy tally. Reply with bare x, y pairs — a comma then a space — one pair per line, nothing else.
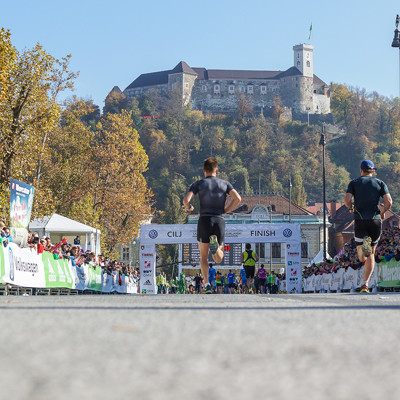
250, 271
261, 282
207, 226
367, 227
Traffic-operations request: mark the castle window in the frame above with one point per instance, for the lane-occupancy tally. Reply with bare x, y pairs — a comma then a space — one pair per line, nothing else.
186, 85
308, 64
231, 89
204, 88
217, 89
298, 64
263, 89
250, 89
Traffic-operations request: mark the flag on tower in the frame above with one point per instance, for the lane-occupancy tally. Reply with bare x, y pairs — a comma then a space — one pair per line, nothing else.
309, 36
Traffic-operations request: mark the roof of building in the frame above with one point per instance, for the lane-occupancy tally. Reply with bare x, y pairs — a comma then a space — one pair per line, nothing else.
317, 208
116, 89
280, 205
161, 77
182, 67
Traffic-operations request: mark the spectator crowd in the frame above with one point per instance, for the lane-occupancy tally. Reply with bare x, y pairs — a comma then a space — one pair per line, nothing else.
388, 247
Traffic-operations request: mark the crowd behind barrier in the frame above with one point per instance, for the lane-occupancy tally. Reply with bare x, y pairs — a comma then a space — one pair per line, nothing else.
43, 265
346, 272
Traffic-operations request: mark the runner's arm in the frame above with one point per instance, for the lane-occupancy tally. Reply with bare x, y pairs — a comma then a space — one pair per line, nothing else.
236, 199
186, 201
348, 201
387, 198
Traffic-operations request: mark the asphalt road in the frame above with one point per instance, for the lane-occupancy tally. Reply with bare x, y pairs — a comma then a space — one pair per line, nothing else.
330, 346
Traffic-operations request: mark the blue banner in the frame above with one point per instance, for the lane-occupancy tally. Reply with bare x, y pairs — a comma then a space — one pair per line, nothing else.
21, 200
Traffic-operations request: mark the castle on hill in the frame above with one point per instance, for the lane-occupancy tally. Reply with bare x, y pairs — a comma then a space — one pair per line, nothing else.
220, 91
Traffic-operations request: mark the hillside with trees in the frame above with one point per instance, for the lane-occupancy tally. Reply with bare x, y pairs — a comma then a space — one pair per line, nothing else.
256, 153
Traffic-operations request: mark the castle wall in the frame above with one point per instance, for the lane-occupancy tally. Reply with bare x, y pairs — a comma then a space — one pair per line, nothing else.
131, 93
223, 96
321, 104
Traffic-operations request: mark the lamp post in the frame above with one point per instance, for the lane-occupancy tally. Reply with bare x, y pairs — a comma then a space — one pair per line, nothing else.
322, 142
290, 198
396, 42
270, 244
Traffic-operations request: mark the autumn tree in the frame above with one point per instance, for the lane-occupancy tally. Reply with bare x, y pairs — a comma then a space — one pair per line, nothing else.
119, 190
30, 82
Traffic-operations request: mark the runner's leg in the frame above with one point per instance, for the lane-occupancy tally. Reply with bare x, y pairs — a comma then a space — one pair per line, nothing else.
203, 247
369, 265
219, 255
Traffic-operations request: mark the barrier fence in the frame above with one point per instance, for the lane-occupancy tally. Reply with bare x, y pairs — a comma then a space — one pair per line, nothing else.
386, 275
24, 267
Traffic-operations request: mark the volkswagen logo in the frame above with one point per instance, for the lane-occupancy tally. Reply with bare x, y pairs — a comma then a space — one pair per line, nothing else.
153, 234
287, 232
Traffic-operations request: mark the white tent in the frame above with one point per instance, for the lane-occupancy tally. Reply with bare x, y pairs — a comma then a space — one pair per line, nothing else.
56, 227
319, 258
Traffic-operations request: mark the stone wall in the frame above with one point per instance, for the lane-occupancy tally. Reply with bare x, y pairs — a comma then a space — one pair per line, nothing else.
223, 96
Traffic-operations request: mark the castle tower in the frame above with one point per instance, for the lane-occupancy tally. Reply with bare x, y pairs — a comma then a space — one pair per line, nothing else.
303, 59
182, 78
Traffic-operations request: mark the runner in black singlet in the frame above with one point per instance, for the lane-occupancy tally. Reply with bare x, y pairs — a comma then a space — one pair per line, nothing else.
367, 190
212, 193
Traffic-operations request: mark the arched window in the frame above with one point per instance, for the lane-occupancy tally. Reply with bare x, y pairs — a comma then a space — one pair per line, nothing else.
298, 64
308, 64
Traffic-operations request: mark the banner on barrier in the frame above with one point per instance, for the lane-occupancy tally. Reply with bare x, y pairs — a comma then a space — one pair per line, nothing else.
389, 273
24, 267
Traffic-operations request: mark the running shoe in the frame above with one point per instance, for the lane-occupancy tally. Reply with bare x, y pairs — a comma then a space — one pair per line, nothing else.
364, 289
206, 290
213, 244
366, 246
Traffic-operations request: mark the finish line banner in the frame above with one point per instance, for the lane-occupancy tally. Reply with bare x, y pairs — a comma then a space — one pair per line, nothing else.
234, 233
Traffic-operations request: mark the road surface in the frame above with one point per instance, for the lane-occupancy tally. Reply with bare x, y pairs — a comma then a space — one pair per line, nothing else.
319, 346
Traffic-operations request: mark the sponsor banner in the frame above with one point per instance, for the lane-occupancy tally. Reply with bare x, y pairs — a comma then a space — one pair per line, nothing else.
21, 200
58, 273
350, 279
389, 273
147, 268
337, 280
293, 268
234, 233
24, 267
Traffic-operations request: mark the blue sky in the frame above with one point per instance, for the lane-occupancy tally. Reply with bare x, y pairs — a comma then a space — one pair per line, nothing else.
112, 42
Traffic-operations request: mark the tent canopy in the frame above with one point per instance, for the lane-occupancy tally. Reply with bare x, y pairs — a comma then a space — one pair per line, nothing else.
58, 223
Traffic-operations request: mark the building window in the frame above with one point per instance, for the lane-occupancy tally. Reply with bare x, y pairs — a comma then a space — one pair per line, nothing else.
263, 89
186, 85
231, 89
304, 250
298, 64
276, 250
242, 89
125, 253
216, 89
260, 250
204, 88
308, 64
250, 89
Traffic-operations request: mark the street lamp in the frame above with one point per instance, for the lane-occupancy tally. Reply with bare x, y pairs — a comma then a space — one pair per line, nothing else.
396, 41
290, 198
322, 142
